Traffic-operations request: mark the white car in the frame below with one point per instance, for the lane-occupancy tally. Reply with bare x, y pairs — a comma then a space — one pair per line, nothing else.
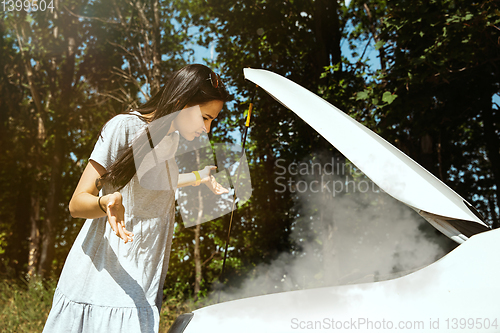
458, 293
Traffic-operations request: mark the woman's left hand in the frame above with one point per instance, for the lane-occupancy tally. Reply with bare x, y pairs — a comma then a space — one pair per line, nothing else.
210, 181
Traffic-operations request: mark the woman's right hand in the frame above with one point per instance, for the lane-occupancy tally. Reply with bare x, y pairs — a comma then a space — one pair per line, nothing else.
205, 172
210, 181
116, 216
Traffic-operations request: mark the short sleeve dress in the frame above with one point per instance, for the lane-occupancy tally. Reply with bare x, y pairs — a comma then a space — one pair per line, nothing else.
107, 285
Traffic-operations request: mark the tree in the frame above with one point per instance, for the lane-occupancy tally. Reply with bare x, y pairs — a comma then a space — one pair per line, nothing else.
61, 60
292, 38
297, 39
443, 67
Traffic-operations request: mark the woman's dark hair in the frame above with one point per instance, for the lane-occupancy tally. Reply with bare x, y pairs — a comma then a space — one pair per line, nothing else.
189, 86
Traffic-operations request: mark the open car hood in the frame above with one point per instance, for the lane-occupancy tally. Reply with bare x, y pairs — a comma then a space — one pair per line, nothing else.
388, 167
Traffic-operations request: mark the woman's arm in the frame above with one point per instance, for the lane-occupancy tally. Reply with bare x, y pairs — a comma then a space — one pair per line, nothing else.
85, 201
186, 179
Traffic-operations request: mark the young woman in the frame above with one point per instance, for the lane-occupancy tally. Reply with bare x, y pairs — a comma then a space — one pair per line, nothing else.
112, 280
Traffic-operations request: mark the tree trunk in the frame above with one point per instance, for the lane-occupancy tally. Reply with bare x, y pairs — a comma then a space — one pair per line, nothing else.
197, 231
376, 38
67, 68
34, 215
327, 33
53, 199
197, 261
155, 84
330, 258
492, 143
34, 240
19, 232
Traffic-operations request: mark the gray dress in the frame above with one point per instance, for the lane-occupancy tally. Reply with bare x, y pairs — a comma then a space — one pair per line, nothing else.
106, 285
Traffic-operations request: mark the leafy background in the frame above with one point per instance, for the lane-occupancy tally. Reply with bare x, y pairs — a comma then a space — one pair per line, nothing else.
423, 74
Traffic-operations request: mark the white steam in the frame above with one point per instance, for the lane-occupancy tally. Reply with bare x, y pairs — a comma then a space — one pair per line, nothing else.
346, 235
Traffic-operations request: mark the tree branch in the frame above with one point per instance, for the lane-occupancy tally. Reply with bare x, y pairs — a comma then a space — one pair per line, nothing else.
90, 17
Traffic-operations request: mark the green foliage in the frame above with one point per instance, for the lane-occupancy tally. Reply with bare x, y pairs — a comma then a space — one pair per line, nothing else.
24, 306
388, 97
444, 59
431, 97
65, 78
171, 308
432, 55
284, 38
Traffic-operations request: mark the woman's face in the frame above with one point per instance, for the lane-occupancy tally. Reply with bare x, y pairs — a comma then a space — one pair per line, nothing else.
192, 121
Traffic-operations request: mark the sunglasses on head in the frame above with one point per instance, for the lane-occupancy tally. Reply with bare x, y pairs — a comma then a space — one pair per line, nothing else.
214, 79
